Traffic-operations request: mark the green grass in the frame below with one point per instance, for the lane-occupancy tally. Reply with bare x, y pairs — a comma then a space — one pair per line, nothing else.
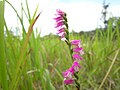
35, 63
3, 70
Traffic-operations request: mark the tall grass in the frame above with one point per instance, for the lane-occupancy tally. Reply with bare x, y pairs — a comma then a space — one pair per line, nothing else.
35, 63
3, 70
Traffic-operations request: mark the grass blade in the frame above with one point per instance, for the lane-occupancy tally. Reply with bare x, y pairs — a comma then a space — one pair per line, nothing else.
21, 21
3, 70
109, 69
28, 11
15, 80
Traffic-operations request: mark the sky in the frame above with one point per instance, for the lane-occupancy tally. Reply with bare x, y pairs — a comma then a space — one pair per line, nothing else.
83, 15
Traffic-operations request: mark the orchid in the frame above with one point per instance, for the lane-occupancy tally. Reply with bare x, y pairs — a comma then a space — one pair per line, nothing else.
76, 43
59, 12
61, 23
69, 73
59, 18
76, 66
68, 81
78, 50
75, 47
62, 30
77, 57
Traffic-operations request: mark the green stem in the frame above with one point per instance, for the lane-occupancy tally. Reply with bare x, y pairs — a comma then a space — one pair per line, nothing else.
76, 81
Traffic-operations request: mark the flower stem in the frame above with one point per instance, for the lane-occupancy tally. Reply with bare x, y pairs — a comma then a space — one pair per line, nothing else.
76, 81
71, 52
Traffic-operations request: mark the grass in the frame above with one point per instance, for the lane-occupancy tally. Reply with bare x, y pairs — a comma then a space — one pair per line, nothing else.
3, 70
35, 63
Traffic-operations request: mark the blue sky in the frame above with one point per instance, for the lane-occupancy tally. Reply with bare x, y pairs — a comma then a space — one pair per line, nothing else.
83, 15
114, 2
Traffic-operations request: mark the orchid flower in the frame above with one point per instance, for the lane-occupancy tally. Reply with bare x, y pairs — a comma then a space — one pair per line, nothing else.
61, 23
68, 81
75, 48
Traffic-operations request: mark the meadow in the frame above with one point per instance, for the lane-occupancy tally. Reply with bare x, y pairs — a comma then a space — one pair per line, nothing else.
31, 62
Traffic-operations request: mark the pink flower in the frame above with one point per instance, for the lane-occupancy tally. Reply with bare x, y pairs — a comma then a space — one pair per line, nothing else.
59, 12
76, 66
60, 23
76, 57
78, 50
63, 36
60, 30
68, 73
58, 18
68, 81
76, 43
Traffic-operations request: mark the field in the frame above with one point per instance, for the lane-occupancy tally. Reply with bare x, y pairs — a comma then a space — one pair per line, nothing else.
32, 62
